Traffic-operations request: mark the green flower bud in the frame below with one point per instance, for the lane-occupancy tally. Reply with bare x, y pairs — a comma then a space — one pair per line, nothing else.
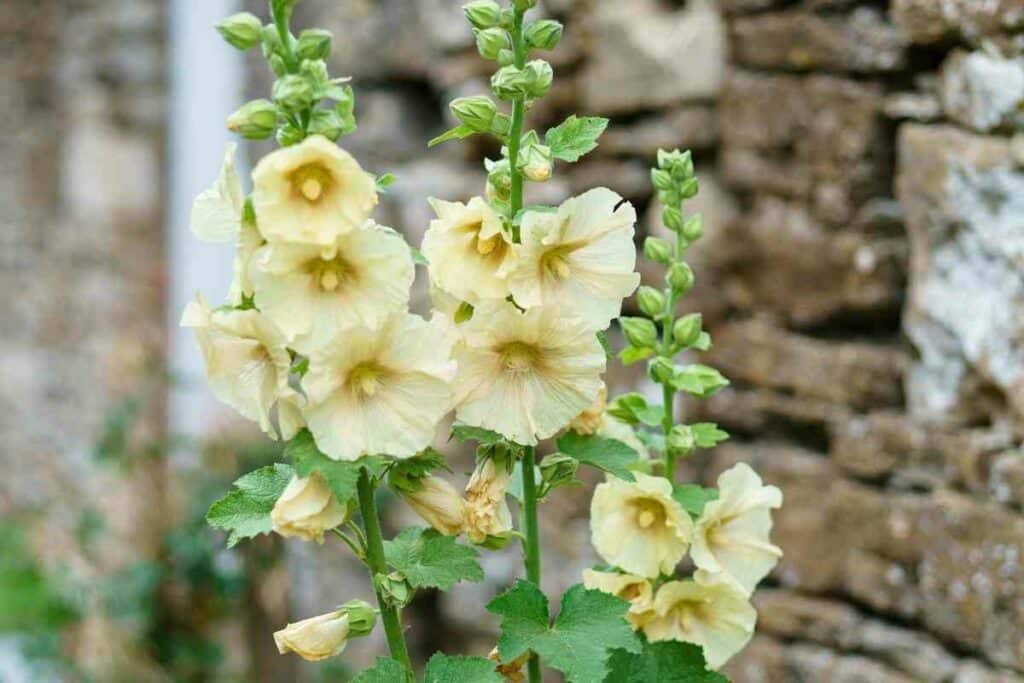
362, 617
464, 313
506, 58
255, 120
687, 329
491, 41
544, 34
680, 278
672, 217
329, 123
242, 30
293, 93
523, 5
681, 441
499, 179
536, 162
679, 164
693, 228
658, 250
483, 14
689, 188
651, 301
393, 588
476, 112
314, 43
277, 65
539, 77
662, 180
661, 370
288, 135
509, 82
640, 332
270, 41
558, 470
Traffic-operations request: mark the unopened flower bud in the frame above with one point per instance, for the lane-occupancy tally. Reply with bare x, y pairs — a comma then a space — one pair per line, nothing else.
327, 122
393, 588
439, 504
681, 441
658, 250
306, 509
314, 43
270, 41
672, 217
491, 41
255, 120
662, 180
509, 82
483, 14
693, 228
680, 165
294, 93
680, 277
539, 77
288, 135
544, 34
536, 162
278, 65
362, 617
661, 370
651, 301
523, 5
499, 178
242, 30
476, 112
690, 188
506, 58
558, 470
640, 332
317, 638
687, 329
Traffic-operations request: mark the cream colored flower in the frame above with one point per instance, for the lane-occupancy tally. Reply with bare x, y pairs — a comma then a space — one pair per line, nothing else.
592, 417
733, 534
638, 526
636, 590
708, 612
487, 512
439, 504
217, 212
249, 241
311, 193
316, 638
525, 375
581, 257
380, 392
314, 293
612, 428
470, 256
247, 363
306, 509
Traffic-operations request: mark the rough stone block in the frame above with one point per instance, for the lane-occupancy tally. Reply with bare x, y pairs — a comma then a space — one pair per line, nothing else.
931, 21
982, 91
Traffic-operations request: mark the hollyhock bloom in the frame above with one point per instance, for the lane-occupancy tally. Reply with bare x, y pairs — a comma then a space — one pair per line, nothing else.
306, 509
636, 590
487, 513
439, 504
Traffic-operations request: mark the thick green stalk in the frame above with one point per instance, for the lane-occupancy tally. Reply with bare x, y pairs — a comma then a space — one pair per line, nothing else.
281, 17
518, 119
531, 531
668, 391
378, 567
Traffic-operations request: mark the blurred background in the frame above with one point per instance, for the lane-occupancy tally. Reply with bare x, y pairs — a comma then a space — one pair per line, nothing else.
862, 173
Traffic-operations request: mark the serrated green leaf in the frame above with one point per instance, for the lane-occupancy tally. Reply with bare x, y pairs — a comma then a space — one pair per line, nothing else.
663, 662
698, 380
428, 559
707, 434
341, 475
245, 512
385, 670
444, 669
633, 408
485, 437
457, 133
693, 497
610, 455
575, 137
590, 625
405, 476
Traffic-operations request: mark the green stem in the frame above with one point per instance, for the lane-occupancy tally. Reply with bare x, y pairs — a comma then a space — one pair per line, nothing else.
668, 391
282, 15
518, 119
531, 530
378, 567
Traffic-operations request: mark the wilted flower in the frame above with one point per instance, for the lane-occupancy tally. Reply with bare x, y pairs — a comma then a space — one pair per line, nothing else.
306, 509
636, 590
513, 671
312, 192
581, 258
380, 392
324, 636
487, 512
733, 534
638, 526
525, 375
439, 504
591, 419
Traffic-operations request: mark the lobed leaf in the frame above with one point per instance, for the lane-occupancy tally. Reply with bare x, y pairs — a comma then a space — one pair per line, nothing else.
429, 559
444, 669
245, 512
610, 455
385, 670
663, 662
341, 475
575, 137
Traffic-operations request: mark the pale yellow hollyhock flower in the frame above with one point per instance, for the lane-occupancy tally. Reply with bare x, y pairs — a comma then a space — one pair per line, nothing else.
470, 256
487, 512
249, 241
247, 362
636, 590
581, 258
733, 533
439, 504
380, 392
313, 293
312, 193
306, 509
638, 526
525, 375
316, 638
708, 612
217, 211
590, 420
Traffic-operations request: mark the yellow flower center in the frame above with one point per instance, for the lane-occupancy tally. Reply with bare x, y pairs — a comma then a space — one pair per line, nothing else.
312, 189
311, 181
518, 357
649, 513
555, 262
366, 379
331, 271
486, 246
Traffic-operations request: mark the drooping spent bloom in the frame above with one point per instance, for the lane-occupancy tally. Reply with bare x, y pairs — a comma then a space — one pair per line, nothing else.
525, 375
581, 258
380, 392
487, 513
325, 636
306, 509
313, 193
733, 534
592, 417
636, 590
638, 526
313, 292
439, 504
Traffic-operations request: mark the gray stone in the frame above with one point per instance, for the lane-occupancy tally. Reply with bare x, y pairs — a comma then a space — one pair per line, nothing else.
931, 21
982, 91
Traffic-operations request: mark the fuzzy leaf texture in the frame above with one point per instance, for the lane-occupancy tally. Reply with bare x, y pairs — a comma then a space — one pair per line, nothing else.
609, 455
341, 476
444, 669
666, 662
575, 137
245, 512
384, 670
707, 434
590, 626
428, 559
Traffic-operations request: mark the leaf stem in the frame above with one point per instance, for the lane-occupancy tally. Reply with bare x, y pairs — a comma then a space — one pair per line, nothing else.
531, 531
378, 567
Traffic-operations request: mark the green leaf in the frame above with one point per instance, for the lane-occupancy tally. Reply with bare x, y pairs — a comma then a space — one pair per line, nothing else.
707, 434
610, 455
444, 669
485, 437
341, 475
664, 662
457, 133
602, 338
405, 476
428, 559
245, 512
589, 627
633, 408
699, 380
384, 182
575, 137
703, 342
634, 354
385, 670
693, 497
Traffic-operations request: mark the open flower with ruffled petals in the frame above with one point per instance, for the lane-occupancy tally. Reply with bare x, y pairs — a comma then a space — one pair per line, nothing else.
249, 242
733, 534
470, 256
306, 509
313, 192
313, 292
638, 526
581, 258
380, 392
217, 211
487, 513
247, 362
636, 590
525, 375
706, 611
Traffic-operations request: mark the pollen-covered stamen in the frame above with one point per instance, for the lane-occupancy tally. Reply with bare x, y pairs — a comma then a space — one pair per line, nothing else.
486, 246
366, 379
518, 357
556, 263
645, 519
329, 280
311, 189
